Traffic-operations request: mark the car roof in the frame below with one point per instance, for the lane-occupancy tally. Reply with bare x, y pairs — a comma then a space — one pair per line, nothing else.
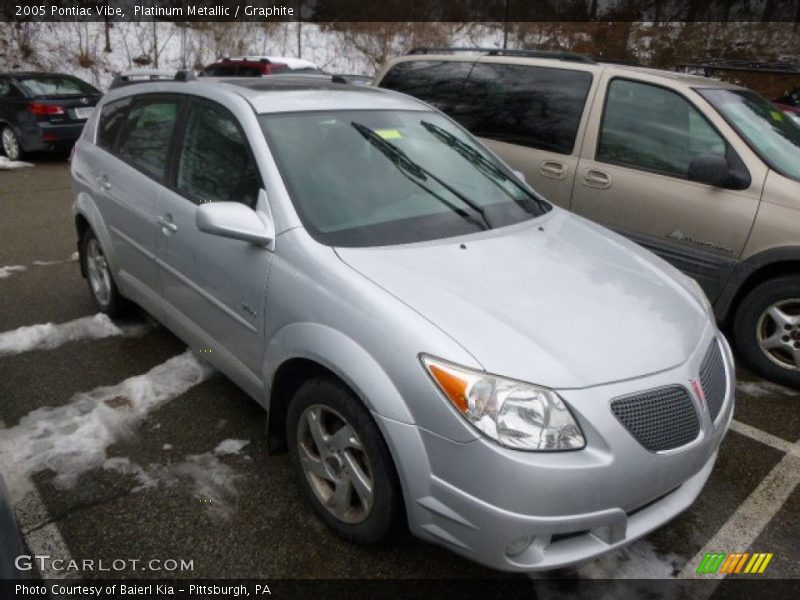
289, 61
147, 73
283, 93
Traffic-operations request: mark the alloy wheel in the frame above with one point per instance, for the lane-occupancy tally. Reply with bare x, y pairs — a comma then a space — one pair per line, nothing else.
99, 275
778, 333
10, 144
335, 464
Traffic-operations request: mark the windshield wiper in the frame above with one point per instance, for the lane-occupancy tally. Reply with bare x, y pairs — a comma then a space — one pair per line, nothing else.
480, 161
408, 166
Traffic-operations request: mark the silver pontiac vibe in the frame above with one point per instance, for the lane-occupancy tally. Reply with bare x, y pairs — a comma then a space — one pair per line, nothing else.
435, 343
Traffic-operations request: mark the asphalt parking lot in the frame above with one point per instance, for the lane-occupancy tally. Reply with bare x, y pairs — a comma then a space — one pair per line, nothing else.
185, 473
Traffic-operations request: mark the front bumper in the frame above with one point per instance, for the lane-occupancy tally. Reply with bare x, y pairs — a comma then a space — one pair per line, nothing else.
480, 500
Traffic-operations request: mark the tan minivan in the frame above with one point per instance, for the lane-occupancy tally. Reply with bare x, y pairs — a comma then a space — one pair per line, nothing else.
703, 173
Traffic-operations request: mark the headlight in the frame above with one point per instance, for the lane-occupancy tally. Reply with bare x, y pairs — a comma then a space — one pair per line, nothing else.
698, 293
514, 414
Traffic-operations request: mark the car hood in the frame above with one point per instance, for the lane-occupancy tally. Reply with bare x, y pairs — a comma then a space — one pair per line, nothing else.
559, 301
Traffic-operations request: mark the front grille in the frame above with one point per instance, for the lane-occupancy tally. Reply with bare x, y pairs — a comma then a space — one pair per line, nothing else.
713, 379
660, 419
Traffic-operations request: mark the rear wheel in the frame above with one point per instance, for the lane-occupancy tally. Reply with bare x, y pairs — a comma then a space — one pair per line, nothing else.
10, 143
342, 462
766, 330
98, 274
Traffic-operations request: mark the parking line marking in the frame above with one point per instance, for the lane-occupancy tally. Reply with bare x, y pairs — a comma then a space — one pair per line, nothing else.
765, 438
41, 534
749, 520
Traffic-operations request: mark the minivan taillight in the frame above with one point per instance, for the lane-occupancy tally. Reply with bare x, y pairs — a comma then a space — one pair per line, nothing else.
40, 109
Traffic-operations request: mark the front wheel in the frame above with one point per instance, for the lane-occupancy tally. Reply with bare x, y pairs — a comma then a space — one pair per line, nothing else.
342, 462
10, 143
766, 330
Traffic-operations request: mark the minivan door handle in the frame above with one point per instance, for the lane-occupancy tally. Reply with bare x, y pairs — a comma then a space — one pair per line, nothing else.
168, 227
554, 169
597, 179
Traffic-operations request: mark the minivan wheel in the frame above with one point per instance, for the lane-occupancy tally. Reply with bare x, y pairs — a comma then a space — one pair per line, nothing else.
766, 330
11, 147
98, 274
342, 462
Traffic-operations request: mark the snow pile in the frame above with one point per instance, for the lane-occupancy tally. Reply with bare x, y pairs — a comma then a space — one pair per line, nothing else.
638, 560
73, 438
212, 481
7, 164
47, 336
757, 389
7, 271
46, 263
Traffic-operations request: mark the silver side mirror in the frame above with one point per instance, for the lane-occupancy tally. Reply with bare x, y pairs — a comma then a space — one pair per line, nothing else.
235, 221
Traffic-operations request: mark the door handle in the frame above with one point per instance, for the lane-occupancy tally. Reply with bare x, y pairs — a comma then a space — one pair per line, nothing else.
597, 179
167, 226
552, 168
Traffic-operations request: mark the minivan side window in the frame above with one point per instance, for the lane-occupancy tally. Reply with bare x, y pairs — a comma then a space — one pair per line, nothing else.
655, 129
539, 107
112, 117
146, 134
215, 163
433, 81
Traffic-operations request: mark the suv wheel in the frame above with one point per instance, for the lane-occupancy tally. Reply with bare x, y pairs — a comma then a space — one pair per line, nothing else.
342, 461
98, 273
766, 329
10, 143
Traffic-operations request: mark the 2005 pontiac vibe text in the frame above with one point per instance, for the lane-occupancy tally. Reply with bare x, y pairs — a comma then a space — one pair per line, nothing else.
436, 344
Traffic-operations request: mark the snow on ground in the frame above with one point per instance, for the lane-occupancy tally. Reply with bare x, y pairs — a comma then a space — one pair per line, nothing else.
47, 336
46, 263
73, 438
757, 389
212, 481
8, 270
6, 164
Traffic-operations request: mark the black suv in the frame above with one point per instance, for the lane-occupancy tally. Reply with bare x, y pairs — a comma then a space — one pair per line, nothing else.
42, 111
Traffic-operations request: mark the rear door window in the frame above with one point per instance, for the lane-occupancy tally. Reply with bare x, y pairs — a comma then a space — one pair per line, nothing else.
146, 134
112, 117
216, 163
539, 107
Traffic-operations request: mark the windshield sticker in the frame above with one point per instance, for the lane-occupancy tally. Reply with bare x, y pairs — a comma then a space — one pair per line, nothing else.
389, 134
776, 116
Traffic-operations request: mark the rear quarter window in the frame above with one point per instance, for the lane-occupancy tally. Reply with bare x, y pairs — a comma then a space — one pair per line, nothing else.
539, 107
436, 82
112, 116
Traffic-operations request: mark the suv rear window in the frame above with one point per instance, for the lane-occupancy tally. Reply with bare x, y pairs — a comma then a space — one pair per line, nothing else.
144, 141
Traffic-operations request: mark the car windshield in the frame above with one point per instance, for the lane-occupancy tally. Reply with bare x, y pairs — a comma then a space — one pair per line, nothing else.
771, 133
378, 177
56, 85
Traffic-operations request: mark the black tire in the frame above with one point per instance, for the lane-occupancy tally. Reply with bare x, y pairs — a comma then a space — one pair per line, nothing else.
752, 325
113, 304
12, 150
384, 516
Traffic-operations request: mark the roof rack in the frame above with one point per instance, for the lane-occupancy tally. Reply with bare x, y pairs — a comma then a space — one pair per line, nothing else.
710, 66
554, 54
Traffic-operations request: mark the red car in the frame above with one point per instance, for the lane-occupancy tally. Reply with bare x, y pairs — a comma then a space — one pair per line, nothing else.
257, 66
